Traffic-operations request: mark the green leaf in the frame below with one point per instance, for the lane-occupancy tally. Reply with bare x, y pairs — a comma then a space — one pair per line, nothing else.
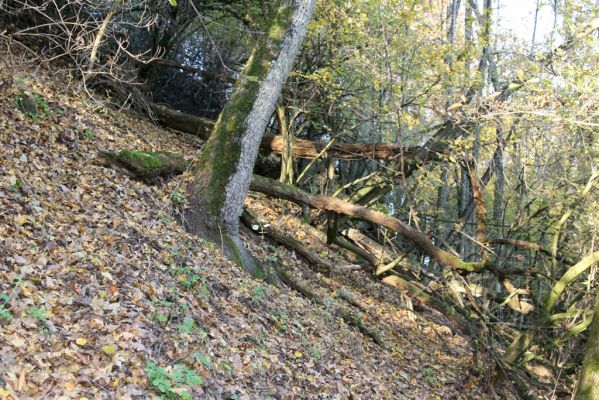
193, 379
203, 359
514, 86
173, 3
185, 395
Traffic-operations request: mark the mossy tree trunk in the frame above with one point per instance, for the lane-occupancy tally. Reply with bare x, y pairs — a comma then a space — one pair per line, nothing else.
225, 166
588, 385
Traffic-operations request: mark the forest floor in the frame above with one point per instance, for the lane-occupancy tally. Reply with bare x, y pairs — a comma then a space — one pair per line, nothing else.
104, 296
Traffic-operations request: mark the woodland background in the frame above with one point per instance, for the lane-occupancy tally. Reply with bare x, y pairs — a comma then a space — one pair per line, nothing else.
478, 148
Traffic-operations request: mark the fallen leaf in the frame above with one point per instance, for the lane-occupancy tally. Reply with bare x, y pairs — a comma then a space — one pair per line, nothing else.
109, 349
18, 341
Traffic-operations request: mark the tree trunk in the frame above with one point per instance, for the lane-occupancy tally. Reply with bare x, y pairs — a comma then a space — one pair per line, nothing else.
225, 166
588, 385
286, 175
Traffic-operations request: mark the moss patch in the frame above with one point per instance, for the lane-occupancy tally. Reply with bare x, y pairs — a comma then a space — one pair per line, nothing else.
145, 165
140, 159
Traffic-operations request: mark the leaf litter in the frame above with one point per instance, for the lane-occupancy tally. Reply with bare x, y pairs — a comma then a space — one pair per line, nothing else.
105, 296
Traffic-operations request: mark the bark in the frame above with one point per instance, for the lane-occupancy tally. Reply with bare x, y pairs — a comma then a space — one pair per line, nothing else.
484, 180
225, 166
442, 196
567, 278
498, 195
183, 122
350, 151
286, 175
100, 35
481, 212
386, 258
332, 204
357, 250
464, 197
588, 385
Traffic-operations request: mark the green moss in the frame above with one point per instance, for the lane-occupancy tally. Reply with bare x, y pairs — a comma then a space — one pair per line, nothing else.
146, 165
144, 160
280, 23
236, 254
466, 266
220, 156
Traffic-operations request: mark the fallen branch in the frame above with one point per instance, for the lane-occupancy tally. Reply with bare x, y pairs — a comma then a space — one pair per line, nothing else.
147, 166
333, 204
202, 127
250, 220
523, 244
348, 317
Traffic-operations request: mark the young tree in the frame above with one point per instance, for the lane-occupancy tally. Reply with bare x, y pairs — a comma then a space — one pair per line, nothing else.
225, 166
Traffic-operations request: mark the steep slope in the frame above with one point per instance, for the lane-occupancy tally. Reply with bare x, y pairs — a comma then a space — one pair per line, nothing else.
105, 296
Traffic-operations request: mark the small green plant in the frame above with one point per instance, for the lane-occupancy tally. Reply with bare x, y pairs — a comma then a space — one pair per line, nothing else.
160, 317
34, 106
99, 109
172, 385
203, 359
88, 133
282, 323
42, 105
314, 353
4, 307
177, 198
187, 326
39, 314
261, 340
191, 280
166, 219
16, 186
429, 375
227, 367
258, 293
167, 311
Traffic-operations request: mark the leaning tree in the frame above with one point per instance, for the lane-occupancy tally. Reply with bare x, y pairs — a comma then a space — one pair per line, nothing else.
225, 165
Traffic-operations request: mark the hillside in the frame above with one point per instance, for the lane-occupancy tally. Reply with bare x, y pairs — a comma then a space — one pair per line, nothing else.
105, 296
